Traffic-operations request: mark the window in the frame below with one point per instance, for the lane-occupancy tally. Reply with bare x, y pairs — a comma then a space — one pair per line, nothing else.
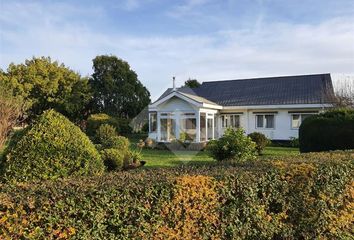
188, 123
264, 121
153, 122
297, 119
230, 121
235, 121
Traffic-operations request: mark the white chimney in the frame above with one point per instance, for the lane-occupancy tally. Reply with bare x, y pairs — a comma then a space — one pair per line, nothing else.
174, 83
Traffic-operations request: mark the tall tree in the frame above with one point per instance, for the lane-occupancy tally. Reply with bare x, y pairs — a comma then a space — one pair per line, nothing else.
192, 83
117, 90
47, 84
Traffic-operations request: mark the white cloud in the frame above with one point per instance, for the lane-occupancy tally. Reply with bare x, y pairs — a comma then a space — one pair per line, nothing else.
274, 49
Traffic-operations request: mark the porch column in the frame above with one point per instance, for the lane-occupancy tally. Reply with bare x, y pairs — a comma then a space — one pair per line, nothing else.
198, 126
158, 127
213, 127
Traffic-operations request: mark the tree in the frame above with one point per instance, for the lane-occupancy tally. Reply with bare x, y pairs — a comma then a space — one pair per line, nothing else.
344, 93
11, 109
192, 83
117, 90
46, 84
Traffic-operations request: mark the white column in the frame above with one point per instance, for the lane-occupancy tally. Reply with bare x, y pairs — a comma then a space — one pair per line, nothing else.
178, 122
213, 126
158, 127
198, 126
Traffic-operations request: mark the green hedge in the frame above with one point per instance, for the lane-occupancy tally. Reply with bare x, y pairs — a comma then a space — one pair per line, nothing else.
50, 148
304, 197
333, 130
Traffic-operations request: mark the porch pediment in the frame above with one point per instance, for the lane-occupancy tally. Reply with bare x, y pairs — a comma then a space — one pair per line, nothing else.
189, 98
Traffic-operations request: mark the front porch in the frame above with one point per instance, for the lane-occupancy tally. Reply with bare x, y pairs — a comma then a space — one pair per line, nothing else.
190, 126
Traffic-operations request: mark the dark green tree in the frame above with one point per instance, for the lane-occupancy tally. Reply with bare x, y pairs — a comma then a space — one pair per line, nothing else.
117, 90
192, 83
45, 84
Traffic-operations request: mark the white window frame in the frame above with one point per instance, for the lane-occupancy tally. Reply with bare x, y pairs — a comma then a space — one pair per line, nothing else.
226, 120
264, 121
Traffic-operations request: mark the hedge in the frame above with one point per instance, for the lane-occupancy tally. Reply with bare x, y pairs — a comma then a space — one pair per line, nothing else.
50, 148
333, 130
310, 196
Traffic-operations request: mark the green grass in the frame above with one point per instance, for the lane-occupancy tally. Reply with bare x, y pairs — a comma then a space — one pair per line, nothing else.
165, 158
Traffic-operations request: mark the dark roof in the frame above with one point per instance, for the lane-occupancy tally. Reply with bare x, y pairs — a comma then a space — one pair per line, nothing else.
304, 89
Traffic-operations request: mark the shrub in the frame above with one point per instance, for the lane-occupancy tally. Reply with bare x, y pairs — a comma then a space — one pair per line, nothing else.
294, 142
261, 141
233, 145
50, 148
94, 121
106, 135
121, 143
113, 159
309, 196
183, 136
332, 130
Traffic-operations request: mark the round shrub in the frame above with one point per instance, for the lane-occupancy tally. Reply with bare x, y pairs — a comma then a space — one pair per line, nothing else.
121, 143
261, 141
105, 135
332, 130
50, 148
113, 159
233, 145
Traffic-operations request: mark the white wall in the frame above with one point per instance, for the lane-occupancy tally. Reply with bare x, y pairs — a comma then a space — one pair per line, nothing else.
282, 118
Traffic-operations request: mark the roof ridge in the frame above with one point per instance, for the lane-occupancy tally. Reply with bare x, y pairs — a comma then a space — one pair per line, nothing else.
260, 78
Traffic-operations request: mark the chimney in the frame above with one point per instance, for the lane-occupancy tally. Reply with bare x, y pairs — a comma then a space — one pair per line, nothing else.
174, 83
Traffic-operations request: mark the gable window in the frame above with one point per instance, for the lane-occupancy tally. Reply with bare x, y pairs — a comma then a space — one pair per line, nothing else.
230, 121
265, 121
297, 119
153, 122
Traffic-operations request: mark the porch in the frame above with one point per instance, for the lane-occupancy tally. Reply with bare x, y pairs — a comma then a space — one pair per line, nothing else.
191, 126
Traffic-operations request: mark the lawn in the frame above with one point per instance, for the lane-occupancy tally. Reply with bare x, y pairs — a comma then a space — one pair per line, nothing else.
165, 158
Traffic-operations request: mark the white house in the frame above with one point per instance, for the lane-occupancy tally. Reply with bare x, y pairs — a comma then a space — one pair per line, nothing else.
274, 106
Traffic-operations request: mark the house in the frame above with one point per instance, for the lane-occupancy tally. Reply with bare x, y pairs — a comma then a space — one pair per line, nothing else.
274, 106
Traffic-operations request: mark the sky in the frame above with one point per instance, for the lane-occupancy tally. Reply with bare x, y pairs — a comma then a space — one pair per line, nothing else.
201, 39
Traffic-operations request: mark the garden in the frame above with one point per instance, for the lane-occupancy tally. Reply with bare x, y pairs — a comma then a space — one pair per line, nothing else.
62, 177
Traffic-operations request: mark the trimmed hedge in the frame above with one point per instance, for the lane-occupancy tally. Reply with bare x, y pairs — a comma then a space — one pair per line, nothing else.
309, 196
332, 130
50, 148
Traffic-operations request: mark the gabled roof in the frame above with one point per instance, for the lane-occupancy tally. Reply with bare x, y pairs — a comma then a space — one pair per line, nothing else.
302, 89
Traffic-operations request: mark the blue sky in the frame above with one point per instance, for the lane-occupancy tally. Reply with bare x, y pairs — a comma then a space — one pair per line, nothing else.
203, 39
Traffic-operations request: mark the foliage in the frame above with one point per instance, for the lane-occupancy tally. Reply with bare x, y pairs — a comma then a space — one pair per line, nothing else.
47, 84
332, 130
50, 148
192, 83
300, 197
294, 142
106, 135
94, 121
183, 136
233, 145
112, 158
260, 139
117, 90
11, 109
192, 210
